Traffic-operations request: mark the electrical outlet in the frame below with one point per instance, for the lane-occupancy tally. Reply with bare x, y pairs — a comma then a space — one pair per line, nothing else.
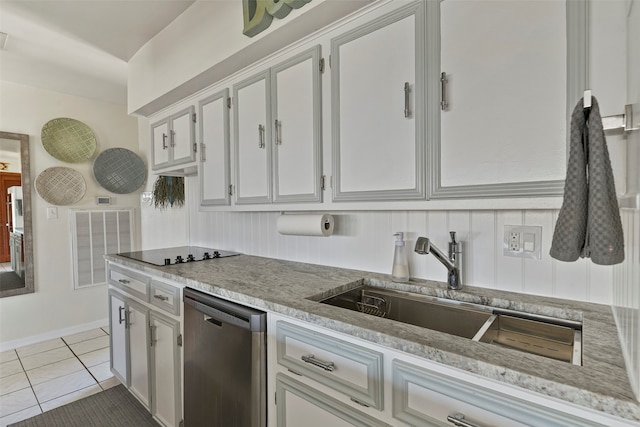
522, 241
514, 241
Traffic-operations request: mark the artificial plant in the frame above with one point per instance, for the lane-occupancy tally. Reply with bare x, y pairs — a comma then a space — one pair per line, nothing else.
168, 191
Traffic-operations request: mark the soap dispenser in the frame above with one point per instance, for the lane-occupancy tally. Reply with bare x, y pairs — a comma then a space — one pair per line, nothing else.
400, 271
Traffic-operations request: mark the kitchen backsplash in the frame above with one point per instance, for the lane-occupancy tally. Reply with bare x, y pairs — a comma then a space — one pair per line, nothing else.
364, 241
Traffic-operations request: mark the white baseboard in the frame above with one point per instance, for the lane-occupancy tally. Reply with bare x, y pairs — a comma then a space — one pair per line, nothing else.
10, 345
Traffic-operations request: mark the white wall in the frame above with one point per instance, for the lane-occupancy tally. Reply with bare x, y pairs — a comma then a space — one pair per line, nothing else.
201, 46
55, 305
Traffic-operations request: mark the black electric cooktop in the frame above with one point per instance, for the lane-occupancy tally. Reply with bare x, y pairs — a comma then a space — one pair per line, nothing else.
177, 255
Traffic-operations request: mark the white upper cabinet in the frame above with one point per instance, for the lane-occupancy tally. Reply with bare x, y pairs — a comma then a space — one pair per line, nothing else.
214, 150
425, 102
297, 137
378, 109
160, 143
277, 133
173, 140
514, 72
252, 133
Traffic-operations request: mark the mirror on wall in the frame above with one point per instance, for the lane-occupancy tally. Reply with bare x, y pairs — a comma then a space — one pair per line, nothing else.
16, 236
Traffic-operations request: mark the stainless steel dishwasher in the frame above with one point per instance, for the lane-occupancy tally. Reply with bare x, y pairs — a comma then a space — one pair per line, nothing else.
224, 363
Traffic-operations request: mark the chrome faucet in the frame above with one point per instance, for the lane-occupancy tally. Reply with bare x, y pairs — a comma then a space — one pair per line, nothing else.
453, 262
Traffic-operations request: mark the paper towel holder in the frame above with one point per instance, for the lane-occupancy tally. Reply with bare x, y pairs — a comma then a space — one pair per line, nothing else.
305, 224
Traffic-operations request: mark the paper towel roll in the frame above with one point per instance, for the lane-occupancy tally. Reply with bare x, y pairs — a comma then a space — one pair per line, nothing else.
305, 225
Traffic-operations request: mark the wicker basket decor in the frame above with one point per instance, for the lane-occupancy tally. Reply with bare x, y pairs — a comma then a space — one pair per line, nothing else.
60, 186
68, 140
119, 170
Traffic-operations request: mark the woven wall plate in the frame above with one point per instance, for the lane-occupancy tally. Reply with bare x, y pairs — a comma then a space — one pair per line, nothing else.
119, 170
68, 140
61, 186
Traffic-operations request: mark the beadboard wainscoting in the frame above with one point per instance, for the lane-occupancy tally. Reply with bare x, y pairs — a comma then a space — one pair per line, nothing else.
364, 241
626, 295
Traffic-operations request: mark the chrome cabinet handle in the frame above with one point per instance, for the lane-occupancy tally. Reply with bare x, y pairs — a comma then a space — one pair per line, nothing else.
407, 92
120, 319
203, 156
152, 339
164, 141
124, 281
443, 91
327, 366
161, 297
278, 126
261, 136
459, 421
173, 138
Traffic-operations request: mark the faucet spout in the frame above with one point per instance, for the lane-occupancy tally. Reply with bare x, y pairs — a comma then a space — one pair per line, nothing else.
425, 247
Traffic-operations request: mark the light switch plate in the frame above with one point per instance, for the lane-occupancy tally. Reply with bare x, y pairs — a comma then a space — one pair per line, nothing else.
522, 241
52, 212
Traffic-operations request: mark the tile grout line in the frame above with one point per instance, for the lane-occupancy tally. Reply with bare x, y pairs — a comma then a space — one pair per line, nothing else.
76, 356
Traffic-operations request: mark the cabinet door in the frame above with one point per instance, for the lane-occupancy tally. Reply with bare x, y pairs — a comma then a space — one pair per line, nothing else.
214, 150
138, 325
301, 405
510, 90
423, 397
160, 144
378, 108
166, 405
183, 136
118, 340
252, 133
297, 134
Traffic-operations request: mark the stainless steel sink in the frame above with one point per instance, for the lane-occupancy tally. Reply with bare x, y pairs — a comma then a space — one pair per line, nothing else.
448, 316
554, 338
557, 341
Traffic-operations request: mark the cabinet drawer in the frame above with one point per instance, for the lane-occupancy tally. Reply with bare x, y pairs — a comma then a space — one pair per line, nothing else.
129, 281
165, 297
426, 398
299, 404
345, 367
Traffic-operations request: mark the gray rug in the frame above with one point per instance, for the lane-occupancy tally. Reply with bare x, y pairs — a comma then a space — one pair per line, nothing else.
112, 407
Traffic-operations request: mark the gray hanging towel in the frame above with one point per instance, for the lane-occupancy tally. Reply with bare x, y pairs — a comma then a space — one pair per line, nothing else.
589, 221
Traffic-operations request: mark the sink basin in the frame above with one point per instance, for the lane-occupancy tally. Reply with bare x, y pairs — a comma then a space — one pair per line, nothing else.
549, 337
555, 341
437, 314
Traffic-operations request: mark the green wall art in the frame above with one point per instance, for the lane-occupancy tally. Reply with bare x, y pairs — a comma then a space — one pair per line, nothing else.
258, 14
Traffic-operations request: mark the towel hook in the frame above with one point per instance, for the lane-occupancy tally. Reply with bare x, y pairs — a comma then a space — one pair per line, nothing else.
586, 103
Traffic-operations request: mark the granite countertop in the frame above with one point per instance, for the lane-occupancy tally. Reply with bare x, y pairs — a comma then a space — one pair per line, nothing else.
293, 288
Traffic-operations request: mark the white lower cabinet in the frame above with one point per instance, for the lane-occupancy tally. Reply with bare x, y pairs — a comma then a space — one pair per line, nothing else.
137, 323
422, 397
165, 369
118, 339
146, 345
326, 378
301, 405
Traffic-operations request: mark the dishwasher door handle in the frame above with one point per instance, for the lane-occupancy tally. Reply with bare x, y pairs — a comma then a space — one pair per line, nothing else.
212, 320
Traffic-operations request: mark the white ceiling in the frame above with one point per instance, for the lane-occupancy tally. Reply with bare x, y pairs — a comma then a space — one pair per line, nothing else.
79, 46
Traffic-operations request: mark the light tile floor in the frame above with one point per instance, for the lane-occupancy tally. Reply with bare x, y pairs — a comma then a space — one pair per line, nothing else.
39, 377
